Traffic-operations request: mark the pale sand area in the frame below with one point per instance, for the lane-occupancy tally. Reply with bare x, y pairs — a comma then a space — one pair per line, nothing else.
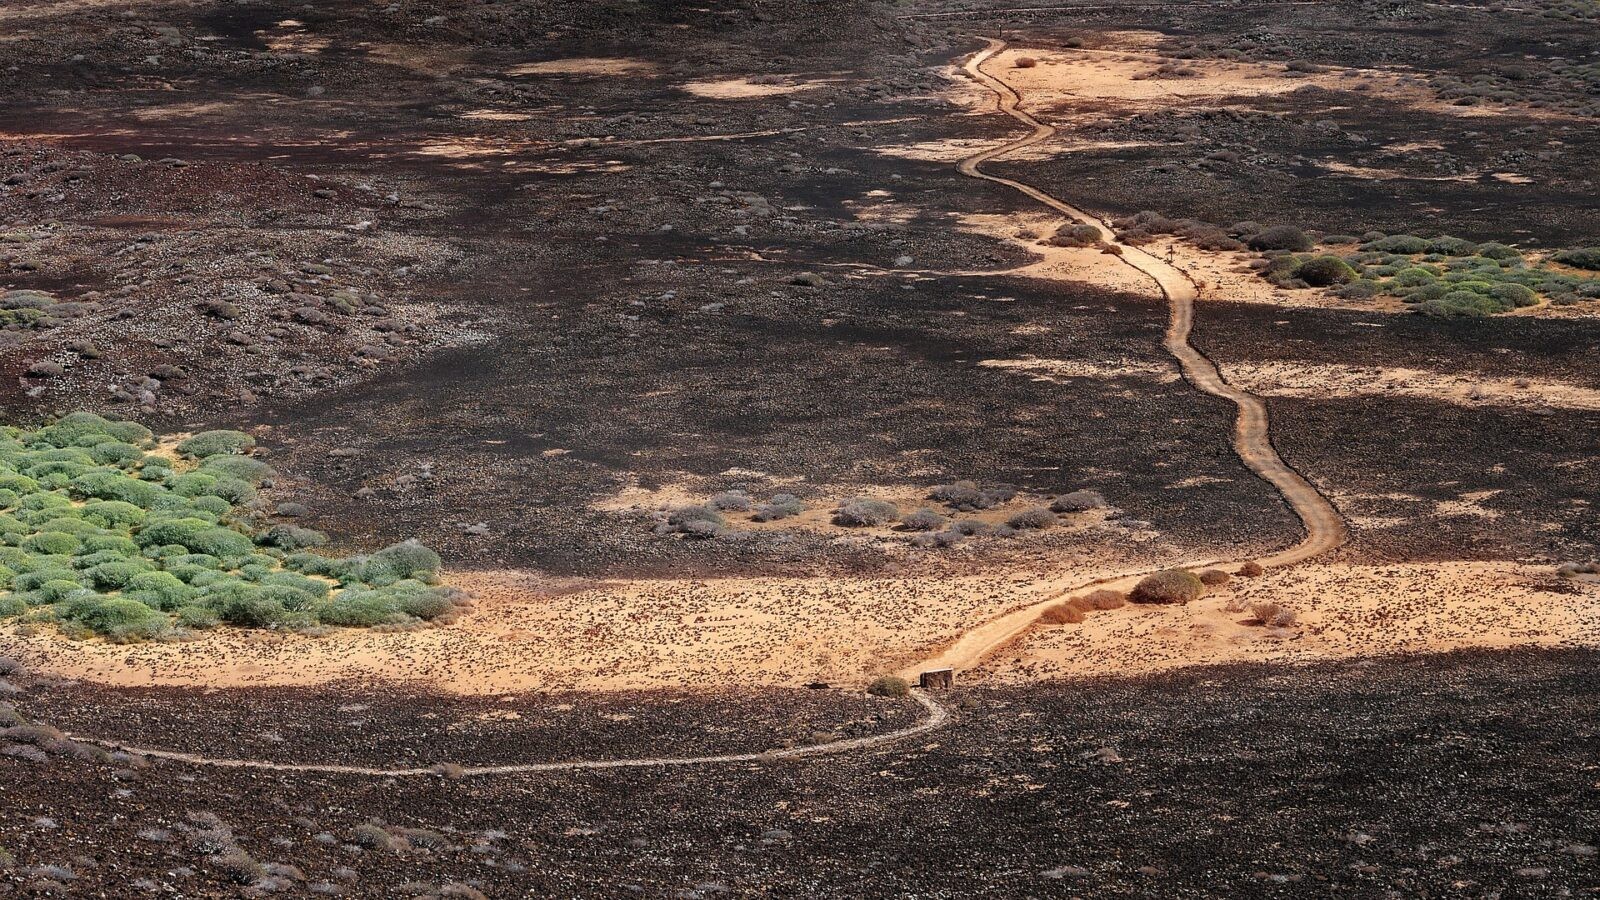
1343, 611
531, 633
1294, 379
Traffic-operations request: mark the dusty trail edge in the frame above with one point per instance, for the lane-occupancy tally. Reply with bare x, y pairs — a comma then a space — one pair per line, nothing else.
1325, 529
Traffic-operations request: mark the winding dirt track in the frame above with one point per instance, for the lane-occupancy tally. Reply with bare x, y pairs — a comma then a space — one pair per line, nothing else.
1325, 529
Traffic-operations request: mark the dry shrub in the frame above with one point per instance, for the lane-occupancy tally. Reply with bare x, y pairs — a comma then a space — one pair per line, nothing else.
1104, 599
1025, 62
1168, 587
889, 686
1251, 569
1273, 614
1062, 614
1215, 578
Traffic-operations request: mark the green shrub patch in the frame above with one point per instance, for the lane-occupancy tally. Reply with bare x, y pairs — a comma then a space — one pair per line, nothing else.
1445, 276
104, 536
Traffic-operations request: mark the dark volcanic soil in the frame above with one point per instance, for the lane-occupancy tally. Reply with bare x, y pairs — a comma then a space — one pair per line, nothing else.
1468, 775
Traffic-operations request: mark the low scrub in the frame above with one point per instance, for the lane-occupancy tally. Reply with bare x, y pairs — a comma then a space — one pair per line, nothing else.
101, 536
889, 686
1173, 586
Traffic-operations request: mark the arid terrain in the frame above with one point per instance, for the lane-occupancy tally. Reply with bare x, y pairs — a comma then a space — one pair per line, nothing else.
1212, 388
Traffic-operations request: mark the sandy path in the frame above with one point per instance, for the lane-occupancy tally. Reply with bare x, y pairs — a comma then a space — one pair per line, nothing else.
938, 715
1325, 529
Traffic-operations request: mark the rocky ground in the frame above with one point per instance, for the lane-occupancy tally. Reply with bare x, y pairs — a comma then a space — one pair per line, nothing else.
503, 275
1467, 775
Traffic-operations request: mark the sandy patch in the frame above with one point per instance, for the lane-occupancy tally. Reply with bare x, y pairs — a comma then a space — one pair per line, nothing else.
587, 65
1059, 371
1290, 379
1343, 611
749, 88
532, 634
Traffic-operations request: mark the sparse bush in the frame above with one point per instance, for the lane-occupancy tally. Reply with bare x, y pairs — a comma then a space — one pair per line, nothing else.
1062, 614
1215, 578
1172, 586
1407, 244
731, 501
1025, 62
1078, 501
1075, 234
923, 520
1036, 519
1103, 599
966, 496
372, 836
1581, 258
216, 443
1279, 237
864, 512
779, 506
238, 867
1273, 614
889, 686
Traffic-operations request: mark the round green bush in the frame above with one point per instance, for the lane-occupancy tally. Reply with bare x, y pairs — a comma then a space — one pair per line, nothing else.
1497, 251
198, 617
114, 576
236, 491
406, 559
161, 590
1515, 294
108, 614
115, 453
1324, 271
1169, 586
191, 484
171, 531
115, 486
1399, 243
12, 606
51, 542
243, 468
361, 609
112, 513
123, 546
214, 443
214, 506
1280, 237
292, 537
223, 543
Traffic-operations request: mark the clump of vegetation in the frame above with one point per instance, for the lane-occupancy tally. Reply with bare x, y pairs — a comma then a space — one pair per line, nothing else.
1078, 501
1062, 614
1215, 578
966, 496
779, 506
1251, 569
1279, 237
1274, 614
1076, 235
864, 512
1143, 227
1102, 599
1442, 276
924, 520
1172, 586
1036, 519
889, 686
1580, 258
101, 536
698, 521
